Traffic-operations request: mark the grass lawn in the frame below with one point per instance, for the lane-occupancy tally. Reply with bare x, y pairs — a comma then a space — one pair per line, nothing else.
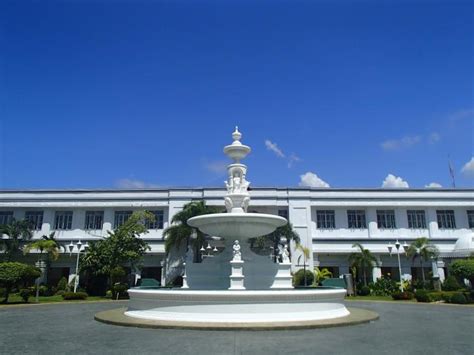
16, 299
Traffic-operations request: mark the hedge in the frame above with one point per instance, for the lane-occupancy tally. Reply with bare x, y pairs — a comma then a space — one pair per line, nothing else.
74, 296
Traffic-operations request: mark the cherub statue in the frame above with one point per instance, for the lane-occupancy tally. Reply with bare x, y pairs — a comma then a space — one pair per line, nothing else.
236, 251
285, 255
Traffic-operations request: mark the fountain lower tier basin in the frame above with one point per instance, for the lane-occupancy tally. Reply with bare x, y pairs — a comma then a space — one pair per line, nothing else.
237, 308
241, 226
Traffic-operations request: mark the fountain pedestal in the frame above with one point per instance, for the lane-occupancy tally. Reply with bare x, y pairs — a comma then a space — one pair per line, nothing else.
237, 275
283, 278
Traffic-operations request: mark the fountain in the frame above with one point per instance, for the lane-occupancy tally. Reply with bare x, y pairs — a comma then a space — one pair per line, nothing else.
237, 288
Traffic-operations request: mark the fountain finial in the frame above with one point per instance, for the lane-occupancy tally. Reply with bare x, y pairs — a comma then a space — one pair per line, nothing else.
236, 135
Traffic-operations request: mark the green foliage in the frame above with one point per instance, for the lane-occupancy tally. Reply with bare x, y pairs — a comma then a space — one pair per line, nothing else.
67, 296
364, 291
119, 290
62, 284
275, 238
402, 296
422, 249
25, 294
122, 246
320, 275
383, 287
179, 233
458, 298
422, 296
13, 274
363, 260
43, 245
451, 284
463, 269
117, 274
17, 232
299, 278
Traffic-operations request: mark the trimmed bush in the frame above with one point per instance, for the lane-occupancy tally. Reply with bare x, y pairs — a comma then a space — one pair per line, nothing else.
402, 296
74, 296
422, 296
458, 298
298, 278
62, 285
25, 294
451, 284
119, 290
364, 291
464, 269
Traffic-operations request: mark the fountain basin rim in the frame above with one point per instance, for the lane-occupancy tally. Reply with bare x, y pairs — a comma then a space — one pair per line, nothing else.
239, 218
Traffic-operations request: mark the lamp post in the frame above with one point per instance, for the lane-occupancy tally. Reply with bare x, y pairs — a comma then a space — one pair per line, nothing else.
80, 247
397, 246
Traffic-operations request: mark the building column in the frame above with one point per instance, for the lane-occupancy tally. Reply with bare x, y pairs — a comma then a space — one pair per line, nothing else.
300, 218
372, 222
441, 265
432, 221
377, 270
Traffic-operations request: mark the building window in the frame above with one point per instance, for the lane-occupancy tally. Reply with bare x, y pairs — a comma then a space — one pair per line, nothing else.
470, 219
6, 217
94, 220
158, 222
386, 219
63, 220
325, 219
283, 213
416, 219
121, 217
446, 219
356, 219
35, 218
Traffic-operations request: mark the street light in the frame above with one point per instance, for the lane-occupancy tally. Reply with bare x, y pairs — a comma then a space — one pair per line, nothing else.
397, 246
80, 248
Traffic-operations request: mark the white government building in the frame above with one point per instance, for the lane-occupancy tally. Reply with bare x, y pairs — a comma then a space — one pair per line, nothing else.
329, 221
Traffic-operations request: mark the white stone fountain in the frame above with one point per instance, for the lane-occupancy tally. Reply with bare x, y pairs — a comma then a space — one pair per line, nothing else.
237, 287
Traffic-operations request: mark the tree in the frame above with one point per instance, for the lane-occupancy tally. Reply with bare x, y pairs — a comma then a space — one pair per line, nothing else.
363, 260
180, 233
424, 250
321, 275
122, 246
305, 254
48, 245
275, 237
13, 274
463, 269
17, 232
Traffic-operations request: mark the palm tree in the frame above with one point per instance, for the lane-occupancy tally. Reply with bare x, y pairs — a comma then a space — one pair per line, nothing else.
47, 244
422, 248
180, 232
363, 260
321, 275
305, 254
17, 232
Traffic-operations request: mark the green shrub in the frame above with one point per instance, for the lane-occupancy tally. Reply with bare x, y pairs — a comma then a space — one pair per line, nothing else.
422, 296
60, 293
298, 278
119, 290
62, 284
420, 285
364, 291
25, 294
14, 275
117, 275
74, 296
451, 284
458, 298
108, 294
463, 269
383, 287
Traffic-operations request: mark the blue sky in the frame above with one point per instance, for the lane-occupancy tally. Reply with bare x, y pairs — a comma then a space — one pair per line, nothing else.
143, 94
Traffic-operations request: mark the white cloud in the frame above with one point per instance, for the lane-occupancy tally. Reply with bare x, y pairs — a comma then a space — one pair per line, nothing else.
134, 184
402, 143
461, 115
433, 185
468, 168
392, 181
217, 167
274, 148
310, 179
293, 159
434, 138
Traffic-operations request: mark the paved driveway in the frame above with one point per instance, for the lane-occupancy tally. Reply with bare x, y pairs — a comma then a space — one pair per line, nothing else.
401, 329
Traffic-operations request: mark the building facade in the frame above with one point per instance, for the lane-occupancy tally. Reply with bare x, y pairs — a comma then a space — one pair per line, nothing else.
328, 221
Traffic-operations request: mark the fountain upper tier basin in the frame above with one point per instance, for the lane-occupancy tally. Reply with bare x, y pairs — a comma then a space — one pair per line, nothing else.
241, 226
